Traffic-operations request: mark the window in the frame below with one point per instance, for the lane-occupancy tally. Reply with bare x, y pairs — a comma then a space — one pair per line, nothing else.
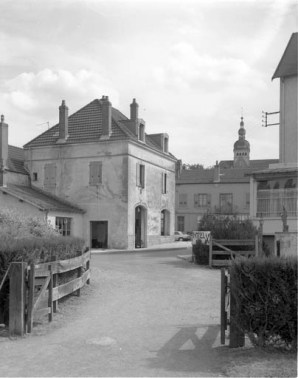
63, 225
247, 199
34, 176
142, 132
226, 202
164, 222
180, 223
140, 175
95, 173
182, 201
164, 183
200, 200
50, 175
166, 145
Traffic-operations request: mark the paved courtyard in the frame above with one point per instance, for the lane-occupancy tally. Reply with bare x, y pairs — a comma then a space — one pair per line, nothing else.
144, 314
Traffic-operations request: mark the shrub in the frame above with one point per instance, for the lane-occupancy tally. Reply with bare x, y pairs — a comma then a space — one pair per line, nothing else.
201, 253
265, 290
227, 226
222, 227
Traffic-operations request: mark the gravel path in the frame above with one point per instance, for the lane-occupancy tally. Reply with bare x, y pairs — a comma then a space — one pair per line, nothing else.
144, 314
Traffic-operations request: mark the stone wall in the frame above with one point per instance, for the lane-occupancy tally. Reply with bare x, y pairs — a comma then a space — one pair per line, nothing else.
288, 243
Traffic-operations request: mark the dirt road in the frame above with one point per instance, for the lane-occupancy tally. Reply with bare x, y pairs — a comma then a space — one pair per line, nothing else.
144, 314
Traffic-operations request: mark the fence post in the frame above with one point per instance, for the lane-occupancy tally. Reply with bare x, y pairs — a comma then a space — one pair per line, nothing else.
50, 297
88, 266
31, 283
55, 283
237, 337
223, 290
80, 269
17, 298
210, 252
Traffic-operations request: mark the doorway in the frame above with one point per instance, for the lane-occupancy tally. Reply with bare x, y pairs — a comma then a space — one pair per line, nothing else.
140, 227
99, 234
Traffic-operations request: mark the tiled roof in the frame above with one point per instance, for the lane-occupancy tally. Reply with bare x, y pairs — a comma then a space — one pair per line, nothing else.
40, 199
288, 63
253, 164
86, 126
16, 160
227, 175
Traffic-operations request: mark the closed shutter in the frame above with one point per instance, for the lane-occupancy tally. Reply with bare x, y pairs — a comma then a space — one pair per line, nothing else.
209, 199
50, 175
138, 175
95, 173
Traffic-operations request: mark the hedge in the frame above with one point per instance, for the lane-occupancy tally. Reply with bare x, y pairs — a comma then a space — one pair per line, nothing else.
265, 290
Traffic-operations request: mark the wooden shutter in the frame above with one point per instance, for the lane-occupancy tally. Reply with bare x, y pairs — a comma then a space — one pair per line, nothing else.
196, 200
209, 199
50, 175
138, 175
142, 174
95, 173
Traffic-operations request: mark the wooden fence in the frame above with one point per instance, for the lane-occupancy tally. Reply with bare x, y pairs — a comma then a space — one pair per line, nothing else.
35, 289
220, 255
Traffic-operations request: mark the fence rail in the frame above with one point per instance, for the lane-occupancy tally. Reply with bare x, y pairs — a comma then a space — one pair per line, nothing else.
35, 289
220, 255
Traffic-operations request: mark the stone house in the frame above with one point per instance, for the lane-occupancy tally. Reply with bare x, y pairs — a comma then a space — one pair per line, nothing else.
223, 189
121, 179
274, 190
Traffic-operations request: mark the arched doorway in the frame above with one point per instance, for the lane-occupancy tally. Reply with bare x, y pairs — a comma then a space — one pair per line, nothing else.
140, 227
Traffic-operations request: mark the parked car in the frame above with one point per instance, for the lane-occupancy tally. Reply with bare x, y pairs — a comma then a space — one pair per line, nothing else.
179, 236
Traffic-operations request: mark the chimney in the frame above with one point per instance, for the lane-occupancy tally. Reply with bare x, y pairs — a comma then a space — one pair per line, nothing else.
134, 110
216, 177
3, 149
63, 122
106, 108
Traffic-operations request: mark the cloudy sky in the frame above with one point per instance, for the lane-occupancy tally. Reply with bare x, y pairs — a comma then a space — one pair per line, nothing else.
193, 67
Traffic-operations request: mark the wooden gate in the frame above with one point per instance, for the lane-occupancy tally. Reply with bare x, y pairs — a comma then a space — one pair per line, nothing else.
220, 255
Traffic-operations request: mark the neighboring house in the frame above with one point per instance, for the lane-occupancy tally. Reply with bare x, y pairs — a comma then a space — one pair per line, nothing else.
223, 189
274, 190
107, 165
16, 191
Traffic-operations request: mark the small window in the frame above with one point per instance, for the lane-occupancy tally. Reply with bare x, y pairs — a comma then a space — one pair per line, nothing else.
182, 201
166, 145
95, 173
34, 176
164, 179
142, 132
140, 179
63, 225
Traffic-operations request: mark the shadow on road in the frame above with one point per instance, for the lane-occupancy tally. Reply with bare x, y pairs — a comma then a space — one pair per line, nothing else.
188, 352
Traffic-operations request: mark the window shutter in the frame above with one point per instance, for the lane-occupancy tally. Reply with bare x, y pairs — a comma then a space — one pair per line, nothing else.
138, 175
162, 182
165, 182
196, 200
209, 199
247, 199
143, 176
95, 169
49, 175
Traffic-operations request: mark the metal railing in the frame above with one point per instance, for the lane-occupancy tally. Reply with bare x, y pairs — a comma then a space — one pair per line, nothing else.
270, 202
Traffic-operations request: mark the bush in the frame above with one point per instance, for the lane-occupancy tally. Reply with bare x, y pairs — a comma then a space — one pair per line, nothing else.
201, 253
227, 226
265, 290
222, 227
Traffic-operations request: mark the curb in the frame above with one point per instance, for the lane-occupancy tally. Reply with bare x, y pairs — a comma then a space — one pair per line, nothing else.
137, 250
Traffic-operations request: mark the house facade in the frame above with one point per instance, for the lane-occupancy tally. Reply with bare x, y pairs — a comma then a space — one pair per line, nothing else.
122, 178
274, 198
223, 189
17, 193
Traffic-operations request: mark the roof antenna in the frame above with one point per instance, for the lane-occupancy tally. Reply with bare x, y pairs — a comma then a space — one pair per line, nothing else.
44, 124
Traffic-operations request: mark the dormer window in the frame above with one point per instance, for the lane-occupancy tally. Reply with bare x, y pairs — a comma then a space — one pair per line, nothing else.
166, 145
142, 132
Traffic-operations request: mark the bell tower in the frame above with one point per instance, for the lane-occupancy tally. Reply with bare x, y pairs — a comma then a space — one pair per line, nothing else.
241, 148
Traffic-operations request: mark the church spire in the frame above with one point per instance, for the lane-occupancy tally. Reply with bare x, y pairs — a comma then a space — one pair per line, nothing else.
241, 148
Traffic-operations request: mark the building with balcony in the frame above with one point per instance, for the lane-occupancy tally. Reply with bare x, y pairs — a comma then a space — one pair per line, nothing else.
223, 189
274, 198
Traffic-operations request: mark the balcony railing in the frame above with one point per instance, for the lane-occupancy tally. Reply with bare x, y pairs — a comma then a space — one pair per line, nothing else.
270, 202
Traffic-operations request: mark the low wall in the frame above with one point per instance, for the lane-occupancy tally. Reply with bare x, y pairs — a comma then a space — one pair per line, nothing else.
287, 243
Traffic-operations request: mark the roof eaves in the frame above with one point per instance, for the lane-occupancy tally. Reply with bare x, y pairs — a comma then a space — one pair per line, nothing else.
6, 190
